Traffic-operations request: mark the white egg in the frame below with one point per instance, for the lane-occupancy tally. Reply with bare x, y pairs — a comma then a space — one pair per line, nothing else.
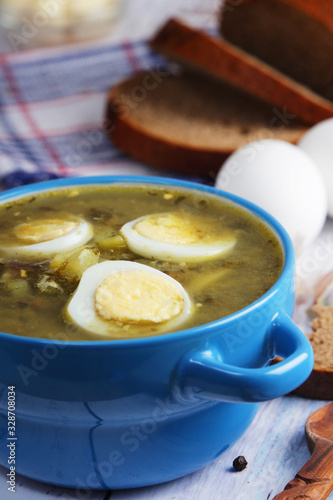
117, 294
317, 142
283, 180
177, 236
41, 238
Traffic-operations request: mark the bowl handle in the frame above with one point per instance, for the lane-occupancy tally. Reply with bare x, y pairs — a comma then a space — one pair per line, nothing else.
202, 374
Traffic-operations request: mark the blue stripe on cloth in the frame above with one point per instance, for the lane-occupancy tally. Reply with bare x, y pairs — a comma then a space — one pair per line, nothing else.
77, 73
20, 177
81, 53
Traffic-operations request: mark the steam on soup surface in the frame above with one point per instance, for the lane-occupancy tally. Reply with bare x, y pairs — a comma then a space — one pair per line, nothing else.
101, 263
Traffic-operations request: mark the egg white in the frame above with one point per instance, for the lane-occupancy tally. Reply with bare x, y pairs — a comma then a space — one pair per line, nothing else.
283, 180
152, 248
81, 309
81, 233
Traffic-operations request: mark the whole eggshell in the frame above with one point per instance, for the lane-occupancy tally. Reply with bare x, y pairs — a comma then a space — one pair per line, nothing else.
283, 180
317, 142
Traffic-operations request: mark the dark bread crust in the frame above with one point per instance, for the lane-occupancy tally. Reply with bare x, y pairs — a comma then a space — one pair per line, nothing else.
319, 385
227, 62
293, 36
321, 10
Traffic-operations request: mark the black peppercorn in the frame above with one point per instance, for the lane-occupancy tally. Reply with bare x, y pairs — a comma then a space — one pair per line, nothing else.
239, 463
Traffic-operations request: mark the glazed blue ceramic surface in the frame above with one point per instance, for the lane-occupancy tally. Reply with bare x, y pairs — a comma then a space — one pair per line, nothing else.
130, 413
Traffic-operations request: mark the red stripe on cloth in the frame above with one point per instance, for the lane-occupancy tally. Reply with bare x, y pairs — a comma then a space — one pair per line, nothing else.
130, 54
62, 169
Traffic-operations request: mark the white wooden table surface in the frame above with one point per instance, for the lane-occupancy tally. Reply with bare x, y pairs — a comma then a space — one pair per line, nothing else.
274, 444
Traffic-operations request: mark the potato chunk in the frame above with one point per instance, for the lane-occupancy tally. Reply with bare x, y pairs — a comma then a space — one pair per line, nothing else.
115, 241
72, 266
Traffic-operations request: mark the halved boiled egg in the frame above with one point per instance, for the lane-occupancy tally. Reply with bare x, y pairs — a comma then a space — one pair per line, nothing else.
114, 294
45, 237
177, 236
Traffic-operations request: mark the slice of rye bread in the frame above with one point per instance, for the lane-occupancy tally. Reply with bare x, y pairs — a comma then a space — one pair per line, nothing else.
222, 60
188, 123
293, 36
320, 383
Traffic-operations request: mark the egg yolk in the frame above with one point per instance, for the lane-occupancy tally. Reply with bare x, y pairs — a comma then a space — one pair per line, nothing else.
137, 297
41, 230
177, 229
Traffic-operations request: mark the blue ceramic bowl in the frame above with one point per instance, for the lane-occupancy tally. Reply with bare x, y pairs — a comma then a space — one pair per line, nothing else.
130, 413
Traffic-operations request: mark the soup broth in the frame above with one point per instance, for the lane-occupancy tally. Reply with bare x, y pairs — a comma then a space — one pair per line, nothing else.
35, 288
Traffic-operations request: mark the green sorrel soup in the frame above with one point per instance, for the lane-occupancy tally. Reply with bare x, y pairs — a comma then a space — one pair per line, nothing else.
127, 261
